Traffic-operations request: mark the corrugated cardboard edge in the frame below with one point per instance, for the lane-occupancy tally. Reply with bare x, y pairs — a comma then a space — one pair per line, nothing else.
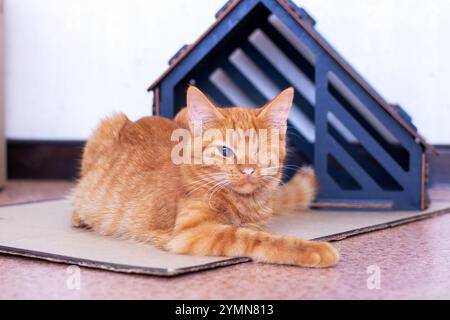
382, 226
20, 203
122, 268
115, 267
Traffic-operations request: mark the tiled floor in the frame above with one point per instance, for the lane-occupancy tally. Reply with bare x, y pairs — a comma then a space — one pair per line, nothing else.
414, 261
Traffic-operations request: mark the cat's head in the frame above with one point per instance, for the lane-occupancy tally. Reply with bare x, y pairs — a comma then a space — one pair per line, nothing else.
242, 149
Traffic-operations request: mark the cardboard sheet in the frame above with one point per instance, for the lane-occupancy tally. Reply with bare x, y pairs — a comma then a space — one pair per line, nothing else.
42, 230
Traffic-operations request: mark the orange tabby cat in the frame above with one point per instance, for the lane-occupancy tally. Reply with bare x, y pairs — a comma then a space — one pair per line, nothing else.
132, 188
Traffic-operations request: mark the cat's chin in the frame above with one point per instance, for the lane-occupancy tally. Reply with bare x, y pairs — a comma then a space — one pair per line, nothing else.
246, 189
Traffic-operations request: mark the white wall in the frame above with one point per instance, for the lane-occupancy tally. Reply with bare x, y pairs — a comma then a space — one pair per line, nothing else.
70, 62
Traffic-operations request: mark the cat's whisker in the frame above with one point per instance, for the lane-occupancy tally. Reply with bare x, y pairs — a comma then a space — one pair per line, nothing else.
199, 187
202, 185
211, 190
292, 167
221, 186
195, 182
271, 179
295, 134
287, 167
207, 175
205, 178
269, 171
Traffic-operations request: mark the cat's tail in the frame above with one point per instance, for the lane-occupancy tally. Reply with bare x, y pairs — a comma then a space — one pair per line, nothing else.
297, 194
103, 138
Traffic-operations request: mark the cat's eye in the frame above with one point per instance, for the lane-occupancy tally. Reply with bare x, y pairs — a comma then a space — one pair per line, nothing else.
225, 151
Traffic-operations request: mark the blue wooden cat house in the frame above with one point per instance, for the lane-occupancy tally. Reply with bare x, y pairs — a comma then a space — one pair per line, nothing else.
366, 152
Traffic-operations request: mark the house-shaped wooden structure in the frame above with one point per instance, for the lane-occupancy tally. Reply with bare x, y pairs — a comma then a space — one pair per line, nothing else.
366, 152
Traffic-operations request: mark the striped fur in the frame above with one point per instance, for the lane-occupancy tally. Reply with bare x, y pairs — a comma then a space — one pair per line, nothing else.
130, 188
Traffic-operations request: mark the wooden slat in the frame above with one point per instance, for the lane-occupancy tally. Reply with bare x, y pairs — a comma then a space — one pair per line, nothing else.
213, 92
243, 83
347, 68
288, 49
353, 205
368, 142
298, 142
325, 46
278, 78
366, 161
397, 154
358, 173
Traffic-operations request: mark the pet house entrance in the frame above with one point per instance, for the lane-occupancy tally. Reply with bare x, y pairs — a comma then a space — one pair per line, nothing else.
362, 154
251, 66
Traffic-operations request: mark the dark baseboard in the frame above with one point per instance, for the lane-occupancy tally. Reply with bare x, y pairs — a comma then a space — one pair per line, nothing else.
43, 159
61, 160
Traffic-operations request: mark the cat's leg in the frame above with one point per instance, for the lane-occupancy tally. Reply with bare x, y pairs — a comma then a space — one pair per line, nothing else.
76, 220
254, 226
197, 234
297, 194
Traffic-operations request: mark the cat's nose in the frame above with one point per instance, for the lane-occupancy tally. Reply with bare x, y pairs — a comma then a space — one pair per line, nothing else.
247, 171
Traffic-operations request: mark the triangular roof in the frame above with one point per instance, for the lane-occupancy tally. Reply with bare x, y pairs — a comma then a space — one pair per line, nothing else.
307, 23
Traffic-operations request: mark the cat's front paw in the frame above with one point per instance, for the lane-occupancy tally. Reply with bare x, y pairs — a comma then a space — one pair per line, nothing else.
317, 254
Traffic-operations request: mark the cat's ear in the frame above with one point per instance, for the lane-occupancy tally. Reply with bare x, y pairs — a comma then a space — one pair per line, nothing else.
276, 112
201, 109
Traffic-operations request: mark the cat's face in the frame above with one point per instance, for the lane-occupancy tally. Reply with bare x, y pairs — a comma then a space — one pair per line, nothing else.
241, 149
